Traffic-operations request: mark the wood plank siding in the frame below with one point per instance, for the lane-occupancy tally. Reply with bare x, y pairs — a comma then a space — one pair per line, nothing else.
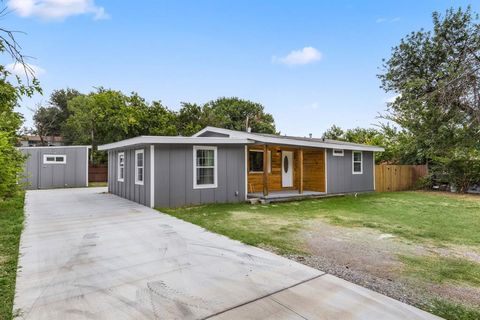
313, 170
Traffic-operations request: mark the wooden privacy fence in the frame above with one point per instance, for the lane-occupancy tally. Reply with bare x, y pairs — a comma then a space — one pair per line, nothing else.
398, 177
97, 173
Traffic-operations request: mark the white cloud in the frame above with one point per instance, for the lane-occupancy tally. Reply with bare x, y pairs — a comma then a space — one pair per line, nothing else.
56, 9
382, 20
19, 70
300, 57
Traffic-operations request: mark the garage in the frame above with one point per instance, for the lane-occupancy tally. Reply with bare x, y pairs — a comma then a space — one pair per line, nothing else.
55, 167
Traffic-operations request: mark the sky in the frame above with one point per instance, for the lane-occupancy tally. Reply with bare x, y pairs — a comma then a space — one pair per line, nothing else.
312, 64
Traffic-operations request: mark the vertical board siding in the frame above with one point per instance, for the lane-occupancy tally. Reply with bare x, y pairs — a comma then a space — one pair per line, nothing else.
340, 177
398, 177
174, 176
128, 189
313, 175
38, 175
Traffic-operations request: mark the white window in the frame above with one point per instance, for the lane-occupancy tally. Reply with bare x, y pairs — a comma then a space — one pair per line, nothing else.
337, 152
357, 162
121, 166
204, 167
54, 159
139, 165
255, 161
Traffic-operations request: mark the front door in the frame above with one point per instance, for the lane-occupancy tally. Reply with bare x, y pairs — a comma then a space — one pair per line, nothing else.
287, 169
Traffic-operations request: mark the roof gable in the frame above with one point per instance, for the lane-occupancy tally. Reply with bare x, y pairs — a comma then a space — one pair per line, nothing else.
288, 140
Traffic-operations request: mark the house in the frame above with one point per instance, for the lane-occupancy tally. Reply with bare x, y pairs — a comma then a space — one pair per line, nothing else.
35, 140
55, 167
218, 165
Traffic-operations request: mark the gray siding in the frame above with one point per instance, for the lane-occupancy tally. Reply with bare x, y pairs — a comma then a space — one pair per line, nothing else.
340, 178
128, 189
38, 175
174, 176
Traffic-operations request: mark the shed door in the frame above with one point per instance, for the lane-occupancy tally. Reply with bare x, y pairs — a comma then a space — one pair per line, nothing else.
287, 169
52, 170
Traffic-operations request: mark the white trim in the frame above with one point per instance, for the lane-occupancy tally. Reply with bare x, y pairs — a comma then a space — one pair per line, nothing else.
86, 170
55, 147
171, 140
215, 167
122, 179
269, 160
152, 176
246, 173
137, 152
353, 162
326, 169
45, 161
373, 158
341, 154
291, 141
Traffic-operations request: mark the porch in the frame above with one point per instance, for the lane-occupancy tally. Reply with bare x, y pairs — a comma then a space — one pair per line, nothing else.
277, 173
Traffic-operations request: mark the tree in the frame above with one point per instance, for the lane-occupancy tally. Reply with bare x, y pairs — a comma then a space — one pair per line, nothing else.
190, 119
237, 114
11, 160
47, 122
50, 120
436, 75
106, 116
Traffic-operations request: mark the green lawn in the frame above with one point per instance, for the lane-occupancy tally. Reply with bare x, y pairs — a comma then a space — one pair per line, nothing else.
437, 218
11, 224
431, 220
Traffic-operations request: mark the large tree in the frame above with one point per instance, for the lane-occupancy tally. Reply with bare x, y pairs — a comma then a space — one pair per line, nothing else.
50, 120
11, 91
436, 75
238, 114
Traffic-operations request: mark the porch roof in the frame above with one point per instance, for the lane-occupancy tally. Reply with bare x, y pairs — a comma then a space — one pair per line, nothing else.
289, 140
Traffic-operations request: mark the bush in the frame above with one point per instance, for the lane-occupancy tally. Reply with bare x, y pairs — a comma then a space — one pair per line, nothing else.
461, 172
11, 166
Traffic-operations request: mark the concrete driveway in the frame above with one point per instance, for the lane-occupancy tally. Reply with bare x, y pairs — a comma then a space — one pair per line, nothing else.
86, 254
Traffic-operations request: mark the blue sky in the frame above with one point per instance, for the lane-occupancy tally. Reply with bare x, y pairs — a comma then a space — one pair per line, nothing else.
310, 63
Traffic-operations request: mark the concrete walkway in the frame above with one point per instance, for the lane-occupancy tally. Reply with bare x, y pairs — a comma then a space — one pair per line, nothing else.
86, 254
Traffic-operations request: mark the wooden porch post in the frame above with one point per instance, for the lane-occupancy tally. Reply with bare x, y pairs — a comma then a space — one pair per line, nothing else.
265, 170
300, 159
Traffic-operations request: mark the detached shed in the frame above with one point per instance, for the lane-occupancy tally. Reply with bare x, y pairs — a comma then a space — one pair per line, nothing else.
55, 167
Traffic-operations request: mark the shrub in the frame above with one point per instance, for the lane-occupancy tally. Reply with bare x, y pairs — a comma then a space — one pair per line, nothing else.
11, 166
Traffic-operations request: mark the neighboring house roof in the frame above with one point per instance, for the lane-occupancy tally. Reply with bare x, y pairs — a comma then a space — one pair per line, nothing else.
172, 140
45, 138
55, 147
289, 140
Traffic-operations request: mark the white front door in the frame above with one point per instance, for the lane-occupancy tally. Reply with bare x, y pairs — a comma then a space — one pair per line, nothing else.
287, 169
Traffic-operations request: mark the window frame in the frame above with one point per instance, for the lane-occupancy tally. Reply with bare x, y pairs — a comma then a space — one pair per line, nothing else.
215, 167
45, 161
353, 162
120, 179
269, 161
137, 181
341, 154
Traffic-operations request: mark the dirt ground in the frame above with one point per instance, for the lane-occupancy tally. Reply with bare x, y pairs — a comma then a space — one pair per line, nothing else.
371, 259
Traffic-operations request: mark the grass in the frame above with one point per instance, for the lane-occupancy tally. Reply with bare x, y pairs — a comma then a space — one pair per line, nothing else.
433, 219
11, 224
418, 216
443, 270
97, 184
453, 311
